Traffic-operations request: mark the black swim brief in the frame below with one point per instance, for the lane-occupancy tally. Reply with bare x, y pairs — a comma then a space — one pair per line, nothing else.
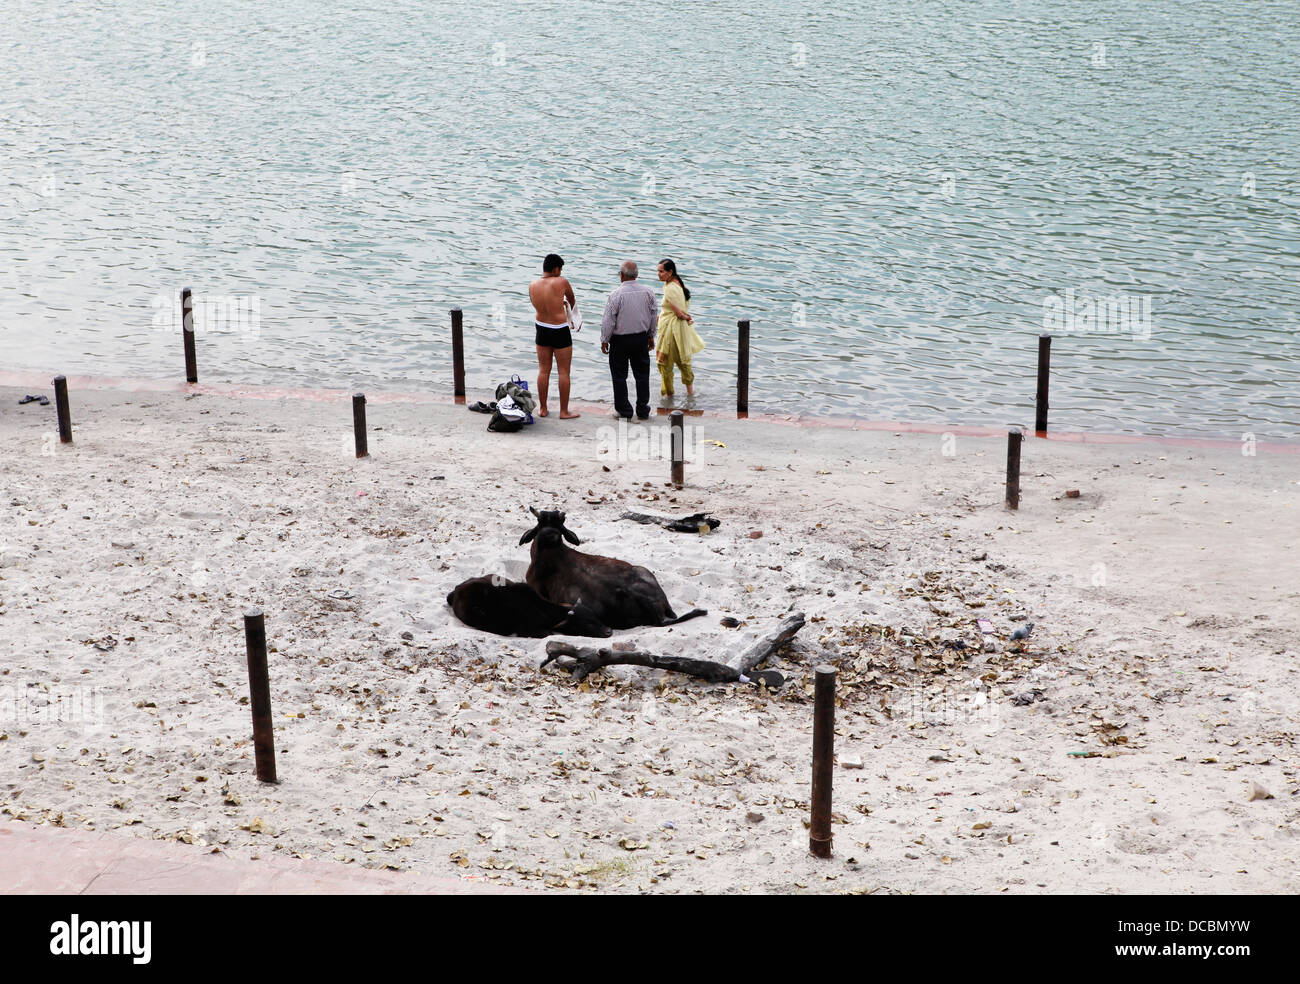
552, 336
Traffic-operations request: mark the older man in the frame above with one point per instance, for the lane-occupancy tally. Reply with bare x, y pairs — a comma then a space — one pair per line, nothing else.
627, 336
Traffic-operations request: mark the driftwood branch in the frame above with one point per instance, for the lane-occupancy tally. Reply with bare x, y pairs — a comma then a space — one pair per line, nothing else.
587, 659
765, 646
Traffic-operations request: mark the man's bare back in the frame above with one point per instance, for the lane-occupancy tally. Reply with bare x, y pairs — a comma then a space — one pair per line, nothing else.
548, 294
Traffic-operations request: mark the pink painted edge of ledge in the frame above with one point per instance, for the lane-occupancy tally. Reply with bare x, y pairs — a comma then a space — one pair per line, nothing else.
39, 859
254, 392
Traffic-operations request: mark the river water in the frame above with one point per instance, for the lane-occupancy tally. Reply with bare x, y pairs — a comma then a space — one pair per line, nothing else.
899, 197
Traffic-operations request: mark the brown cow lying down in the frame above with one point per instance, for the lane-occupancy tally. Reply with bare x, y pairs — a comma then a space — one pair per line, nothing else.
618, 594
494, 604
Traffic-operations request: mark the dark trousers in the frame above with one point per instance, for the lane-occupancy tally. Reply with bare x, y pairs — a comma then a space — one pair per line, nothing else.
633, 350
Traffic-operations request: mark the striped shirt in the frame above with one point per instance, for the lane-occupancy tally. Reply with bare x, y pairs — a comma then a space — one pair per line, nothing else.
631, 309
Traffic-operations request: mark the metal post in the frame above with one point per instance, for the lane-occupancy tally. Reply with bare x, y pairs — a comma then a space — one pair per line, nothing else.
259, 695
1044, 366
61, 405
678, 448
458, 352
819, 831
742, 369
1014, 440
187, 332
359, 424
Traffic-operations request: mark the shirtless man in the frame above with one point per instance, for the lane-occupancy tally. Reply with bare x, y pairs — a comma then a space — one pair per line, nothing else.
548, 294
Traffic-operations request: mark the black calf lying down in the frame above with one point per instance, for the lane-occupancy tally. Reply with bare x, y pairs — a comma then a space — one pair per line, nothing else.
494, 604
619, 594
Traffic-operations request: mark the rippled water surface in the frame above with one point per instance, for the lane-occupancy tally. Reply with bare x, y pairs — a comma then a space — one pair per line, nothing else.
894, 194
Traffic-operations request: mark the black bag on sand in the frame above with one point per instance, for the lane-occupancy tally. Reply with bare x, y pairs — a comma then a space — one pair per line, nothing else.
504, 424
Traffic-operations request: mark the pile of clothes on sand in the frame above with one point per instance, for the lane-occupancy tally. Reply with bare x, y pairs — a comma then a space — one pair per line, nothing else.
513, 408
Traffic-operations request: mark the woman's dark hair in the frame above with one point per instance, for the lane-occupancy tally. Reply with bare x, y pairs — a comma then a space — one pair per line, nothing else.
671, 267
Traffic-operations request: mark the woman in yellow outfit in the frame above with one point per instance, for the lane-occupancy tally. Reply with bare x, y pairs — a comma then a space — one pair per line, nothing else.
677, 338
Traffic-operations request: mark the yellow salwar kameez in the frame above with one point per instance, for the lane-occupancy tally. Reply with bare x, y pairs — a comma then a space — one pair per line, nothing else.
677, 340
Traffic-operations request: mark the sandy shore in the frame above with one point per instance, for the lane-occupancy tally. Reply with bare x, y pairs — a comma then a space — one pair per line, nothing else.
1116, 751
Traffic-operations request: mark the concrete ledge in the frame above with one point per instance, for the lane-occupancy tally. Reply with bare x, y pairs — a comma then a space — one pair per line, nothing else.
43, 860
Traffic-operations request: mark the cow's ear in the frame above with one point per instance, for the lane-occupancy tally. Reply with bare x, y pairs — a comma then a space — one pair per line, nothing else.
570, 535
528, 536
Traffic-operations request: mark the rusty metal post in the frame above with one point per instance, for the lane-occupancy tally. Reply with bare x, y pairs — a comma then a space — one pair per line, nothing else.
458, 352
61, 405
259, 695
1014, 439
742, 369
359, 424
1044, 368
678, 448
187, 332
819, 832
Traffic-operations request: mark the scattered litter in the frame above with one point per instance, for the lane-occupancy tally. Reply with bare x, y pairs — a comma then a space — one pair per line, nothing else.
694, 523
1258, 792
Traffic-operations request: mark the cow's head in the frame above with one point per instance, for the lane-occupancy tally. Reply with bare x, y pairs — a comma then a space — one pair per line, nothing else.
550, 522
